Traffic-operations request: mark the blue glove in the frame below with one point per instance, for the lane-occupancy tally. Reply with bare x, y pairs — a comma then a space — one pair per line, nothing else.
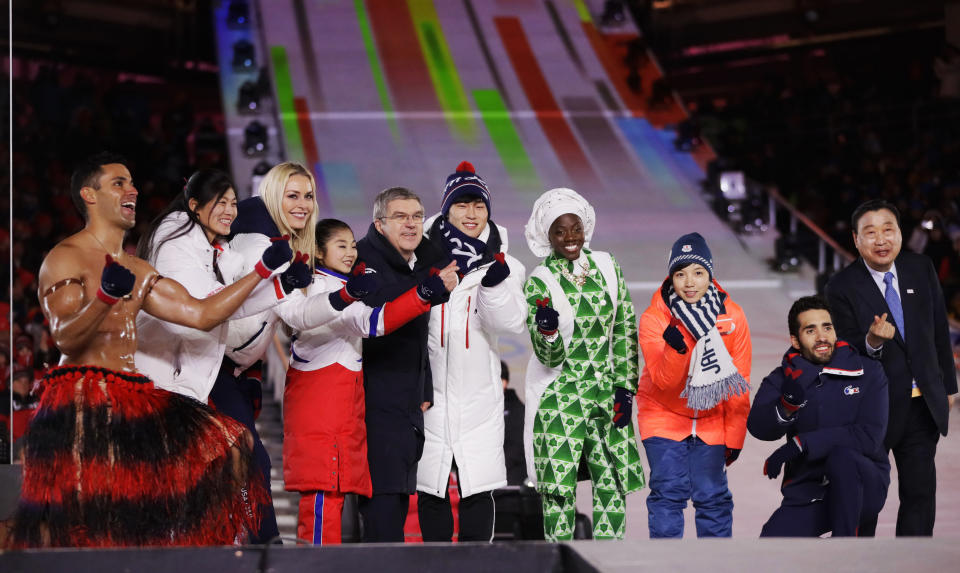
674, 337
274, 256
254, 391
299, 275
731, 455
622, 407
547, 319
793, 397
785, 453
497, 272
432, 289
360, 284
116, 281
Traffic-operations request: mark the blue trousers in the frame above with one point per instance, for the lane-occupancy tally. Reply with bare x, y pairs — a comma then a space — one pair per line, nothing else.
688, 469
856, 490
229, 398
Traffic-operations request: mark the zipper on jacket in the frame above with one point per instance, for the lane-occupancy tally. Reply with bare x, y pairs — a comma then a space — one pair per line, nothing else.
442, 320
693, 430
468, 322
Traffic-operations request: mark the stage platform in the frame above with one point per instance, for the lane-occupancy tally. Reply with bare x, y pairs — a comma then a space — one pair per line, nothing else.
715, 555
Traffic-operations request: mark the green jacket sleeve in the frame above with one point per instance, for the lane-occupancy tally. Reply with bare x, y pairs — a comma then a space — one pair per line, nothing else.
550, 354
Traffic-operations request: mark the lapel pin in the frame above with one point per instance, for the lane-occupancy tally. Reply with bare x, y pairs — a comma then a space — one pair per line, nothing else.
909, 291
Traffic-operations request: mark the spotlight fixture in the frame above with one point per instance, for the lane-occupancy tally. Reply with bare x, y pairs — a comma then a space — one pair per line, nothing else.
255, 139
244, 57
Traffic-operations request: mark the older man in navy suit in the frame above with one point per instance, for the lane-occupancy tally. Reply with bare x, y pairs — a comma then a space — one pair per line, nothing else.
889, 304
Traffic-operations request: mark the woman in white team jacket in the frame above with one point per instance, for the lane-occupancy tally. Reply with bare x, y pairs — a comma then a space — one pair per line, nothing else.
464, 427
186, 242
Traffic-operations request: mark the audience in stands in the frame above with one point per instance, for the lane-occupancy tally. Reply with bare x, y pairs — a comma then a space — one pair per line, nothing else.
849, 130
61, 114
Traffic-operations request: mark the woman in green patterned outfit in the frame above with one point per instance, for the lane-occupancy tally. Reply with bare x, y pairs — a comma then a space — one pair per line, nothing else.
583, 374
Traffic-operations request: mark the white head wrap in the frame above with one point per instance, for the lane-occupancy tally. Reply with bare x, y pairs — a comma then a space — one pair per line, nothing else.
550, 206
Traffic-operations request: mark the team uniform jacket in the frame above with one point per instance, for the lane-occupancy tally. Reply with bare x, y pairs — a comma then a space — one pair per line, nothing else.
660, 409
846, 407
324, 435
183, 359
466, 420
248, 338
396, 368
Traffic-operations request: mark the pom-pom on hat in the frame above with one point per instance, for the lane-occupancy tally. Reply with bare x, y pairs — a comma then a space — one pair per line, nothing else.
464, 181
688, 249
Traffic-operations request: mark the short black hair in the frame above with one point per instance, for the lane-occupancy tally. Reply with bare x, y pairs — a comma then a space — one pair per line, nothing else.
87, 174
467, 198
325, 229
504, 371
872, 205
803, 304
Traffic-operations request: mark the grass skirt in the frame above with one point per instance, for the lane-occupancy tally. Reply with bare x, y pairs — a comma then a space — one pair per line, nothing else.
109, 460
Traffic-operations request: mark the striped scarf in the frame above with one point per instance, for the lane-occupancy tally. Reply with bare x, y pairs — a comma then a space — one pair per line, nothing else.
712, 377
701, 316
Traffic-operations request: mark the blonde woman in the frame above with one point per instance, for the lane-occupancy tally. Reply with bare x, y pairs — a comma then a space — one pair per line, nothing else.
285, 206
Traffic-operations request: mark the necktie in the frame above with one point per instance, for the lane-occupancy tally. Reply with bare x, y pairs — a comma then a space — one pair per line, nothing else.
893, 301
216, 269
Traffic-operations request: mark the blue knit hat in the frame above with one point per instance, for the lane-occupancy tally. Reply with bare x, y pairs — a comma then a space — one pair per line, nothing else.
464, 181
689, 249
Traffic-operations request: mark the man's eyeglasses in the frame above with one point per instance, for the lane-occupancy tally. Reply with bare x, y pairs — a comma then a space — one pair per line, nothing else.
416, 218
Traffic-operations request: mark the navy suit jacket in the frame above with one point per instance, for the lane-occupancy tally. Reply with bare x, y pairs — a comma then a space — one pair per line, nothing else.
396, 368
925, 356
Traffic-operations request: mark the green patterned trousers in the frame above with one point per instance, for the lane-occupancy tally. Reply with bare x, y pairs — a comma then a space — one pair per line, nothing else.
561, 440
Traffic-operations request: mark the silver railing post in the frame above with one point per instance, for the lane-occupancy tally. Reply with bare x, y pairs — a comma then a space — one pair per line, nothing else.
772, 206
821, 256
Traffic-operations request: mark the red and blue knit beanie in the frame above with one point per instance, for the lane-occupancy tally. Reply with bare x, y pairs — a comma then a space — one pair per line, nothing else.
464, 181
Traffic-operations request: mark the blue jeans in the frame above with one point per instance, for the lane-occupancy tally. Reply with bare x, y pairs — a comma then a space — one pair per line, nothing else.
688, 469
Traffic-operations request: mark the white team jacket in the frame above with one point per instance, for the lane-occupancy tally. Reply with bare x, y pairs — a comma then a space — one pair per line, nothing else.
466, 419
248, 338
337, 341
183, 359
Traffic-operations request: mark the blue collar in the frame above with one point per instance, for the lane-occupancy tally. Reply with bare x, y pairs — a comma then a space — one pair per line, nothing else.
332, 273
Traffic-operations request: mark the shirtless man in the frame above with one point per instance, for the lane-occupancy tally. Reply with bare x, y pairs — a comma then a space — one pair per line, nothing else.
109, 459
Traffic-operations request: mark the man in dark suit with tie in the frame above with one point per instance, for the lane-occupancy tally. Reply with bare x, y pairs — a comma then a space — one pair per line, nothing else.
889, 304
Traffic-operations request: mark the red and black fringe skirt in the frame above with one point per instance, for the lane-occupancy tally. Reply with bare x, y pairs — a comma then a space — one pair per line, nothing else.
109, 460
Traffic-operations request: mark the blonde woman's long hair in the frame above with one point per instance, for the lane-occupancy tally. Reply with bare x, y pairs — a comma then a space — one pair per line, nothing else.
271, 191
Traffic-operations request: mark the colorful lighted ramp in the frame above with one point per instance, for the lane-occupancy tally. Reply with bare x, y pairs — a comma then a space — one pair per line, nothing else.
375, 93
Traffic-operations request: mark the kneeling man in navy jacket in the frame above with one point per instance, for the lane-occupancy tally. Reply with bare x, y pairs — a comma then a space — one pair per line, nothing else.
831, 404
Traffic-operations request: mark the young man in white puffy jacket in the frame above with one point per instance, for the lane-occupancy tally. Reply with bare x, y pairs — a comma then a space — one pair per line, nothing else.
464, 427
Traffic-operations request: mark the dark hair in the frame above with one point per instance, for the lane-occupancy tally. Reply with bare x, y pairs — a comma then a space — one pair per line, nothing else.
325, 229
803, 304
504, 371
87, 173
872, 205
467, 198
205, 186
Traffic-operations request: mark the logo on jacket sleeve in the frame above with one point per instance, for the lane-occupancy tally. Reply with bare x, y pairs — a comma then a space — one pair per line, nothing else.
851, 390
